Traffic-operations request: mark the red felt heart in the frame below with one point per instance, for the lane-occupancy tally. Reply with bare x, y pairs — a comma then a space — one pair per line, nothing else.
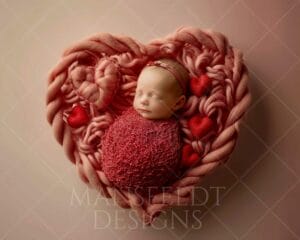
189, 156
200, 125
78, 117
200, 85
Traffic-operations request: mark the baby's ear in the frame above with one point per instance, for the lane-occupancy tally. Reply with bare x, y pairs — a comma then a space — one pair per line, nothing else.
180, 102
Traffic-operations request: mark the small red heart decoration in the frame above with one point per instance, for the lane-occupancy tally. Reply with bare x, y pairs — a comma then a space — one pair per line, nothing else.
199, 85
189, 156
200, 125
78, 117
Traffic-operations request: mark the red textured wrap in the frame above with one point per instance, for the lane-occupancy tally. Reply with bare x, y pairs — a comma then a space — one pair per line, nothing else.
142, 155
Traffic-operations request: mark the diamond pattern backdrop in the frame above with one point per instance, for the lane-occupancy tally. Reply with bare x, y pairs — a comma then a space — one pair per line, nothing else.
260, 183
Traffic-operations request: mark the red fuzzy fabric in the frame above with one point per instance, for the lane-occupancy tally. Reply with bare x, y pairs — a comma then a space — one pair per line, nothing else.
141, 155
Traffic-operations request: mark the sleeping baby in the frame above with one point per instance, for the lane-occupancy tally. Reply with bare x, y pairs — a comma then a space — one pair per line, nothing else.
141, 150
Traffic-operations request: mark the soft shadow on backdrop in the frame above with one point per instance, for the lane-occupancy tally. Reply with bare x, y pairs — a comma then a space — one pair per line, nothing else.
259, 185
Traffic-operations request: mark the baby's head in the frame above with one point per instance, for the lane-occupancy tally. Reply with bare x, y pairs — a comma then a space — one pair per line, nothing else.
161, 89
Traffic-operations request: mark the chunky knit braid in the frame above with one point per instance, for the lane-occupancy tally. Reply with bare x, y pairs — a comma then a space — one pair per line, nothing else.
100, 73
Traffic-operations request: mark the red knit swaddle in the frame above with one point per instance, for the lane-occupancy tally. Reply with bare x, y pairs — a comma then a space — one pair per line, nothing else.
141, 155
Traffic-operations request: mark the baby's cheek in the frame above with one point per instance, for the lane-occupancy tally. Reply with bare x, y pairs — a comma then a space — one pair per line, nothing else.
163, 107
167, 101
160, 103
134, 102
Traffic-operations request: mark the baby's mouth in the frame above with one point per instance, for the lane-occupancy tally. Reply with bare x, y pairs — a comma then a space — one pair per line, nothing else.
143, 110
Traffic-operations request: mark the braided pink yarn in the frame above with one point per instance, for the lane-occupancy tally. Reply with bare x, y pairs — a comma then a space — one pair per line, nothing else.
100, 73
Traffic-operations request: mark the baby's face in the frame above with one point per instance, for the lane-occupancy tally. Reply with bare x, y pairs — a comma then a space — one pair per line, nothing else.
157, 93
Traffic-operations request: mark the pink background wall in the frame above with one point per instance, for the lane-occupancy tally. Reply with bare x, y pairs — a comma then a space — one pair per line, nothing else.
261, 190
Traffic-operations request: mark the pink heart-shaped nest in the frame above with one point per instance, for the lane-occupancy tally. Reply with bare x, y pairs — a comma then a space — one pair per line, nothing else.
95, 82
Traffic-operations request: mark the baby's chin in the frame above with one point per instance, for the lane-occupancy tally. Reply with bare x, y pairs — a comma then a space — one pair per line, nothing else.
145, 115
152, 116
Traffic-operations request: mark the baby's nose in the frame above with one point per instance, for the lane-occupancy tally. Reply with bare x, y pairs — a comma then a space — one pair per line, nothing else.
144, 100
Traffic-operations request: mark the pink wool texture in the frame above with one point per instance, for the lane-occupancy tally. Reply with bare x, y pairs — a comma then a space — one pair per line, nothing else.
141, 155
99, 76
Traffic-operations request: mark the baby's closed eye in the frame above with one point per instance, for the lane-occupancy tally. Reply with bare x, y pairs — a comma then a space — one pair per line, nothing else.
158, 96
